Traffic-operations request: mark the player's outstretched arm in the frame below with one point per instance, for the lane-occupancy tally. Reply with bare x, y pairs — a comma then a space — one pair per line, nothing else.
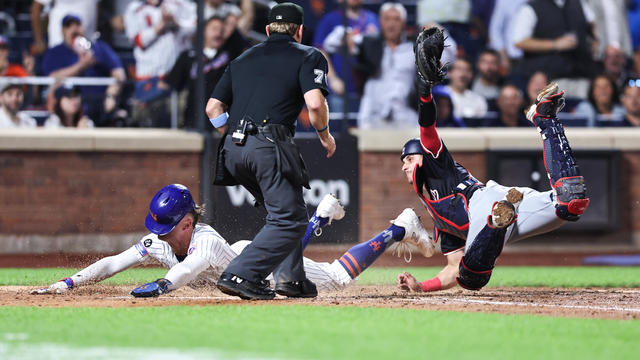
445, 279
98, 271
178, 276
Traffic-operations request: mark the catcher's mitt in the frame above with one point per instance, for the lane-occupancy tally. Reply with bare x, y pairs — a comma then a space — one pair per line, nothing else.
428, 50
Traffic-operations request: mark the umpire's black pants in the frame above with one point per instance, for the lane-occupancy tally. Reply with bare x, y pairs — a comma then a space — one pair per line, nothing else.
277, 247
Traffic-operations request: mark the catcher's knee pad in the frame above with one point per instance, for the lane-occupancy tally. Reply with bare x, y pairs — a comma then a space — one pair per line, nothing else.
472, 279
571, 194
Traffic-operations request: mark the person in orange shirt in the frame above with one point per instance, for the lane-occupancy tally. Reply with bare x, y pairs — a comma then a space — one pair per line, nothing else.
8, 69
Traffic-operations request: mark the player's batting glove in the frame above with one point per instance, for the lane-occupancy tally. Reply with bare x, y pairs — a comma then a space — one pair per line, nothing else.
59, 287
428, 51
153, 289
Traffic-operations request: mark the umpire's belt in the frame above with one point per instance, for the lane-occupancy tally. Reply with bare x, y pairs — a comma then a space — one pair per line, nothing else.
288, 158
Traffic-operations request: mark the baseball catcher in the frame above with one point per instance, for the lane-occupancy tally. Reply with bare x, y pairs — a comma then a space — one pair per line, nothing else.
196, 254
472, 220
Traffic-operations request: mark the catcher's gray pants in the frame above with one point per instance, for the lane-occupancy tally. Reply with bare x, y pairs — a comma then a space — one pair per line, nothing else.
277, 247
536, 214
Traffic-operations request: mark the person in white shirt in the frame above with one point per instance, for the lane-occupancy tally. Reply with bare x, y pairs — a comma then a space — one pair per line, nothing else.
86, 10
196, 254
11, 98
390, 60
500, 26
466, 103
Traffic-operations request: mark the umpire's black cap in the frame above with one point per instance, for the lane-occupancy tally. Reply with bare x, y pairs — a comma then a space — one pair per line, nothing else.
286, 12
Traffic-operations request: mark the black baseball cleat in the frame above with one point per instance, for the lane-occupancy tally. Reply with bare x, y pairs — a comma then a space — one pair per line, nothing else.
236, 286
297, 289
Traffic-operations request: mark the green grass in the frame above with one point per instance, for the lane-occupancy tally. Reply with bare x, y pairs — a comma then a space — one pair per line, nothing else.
502, 276
317, 332
311, 332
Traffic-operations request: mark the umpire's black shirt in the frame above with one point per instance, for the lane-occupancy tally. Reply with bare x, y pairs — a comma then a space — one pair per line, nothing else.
268, 81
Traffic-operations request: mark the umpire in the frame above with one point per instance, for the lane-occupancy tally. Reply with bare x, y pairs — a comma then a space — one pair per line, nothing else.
263, 91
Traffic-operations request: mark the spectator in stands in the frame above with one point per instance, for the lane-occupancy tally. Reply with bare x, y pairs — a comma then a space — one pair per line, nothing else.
488, 79
615, 65
556, 37
631, 103
445, 108
85, 10
510, 108
612, 28
537, 81
8, 69
160, 31
11, 97
77, 56
329, 38
111, 25
466, 103
500, 26
67, 111
388, 59
217, 55
602, 103
236, 17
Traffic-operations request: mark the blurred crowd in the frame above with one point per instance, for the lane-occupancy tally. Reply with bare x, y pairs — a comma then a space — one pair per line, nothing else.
498, 55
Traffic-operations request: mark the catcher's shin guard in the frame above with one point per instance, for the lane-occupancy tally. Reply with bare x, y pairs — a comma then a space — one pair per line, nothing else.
478, 261
562, 170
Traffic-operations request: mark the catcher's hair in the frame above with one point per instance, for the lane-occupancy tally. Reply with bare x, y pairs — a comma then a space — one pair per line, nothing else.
394, 6
283, 28
196, 213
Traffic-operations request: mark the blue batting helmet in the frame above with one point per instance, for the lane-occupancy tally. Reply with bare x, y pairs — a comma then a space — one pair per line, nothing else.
411, 147
168, 207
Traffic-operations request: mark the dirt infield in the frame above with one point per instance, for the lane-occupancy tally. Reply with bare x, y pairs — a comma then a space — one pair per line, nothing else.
584, 303
325, 253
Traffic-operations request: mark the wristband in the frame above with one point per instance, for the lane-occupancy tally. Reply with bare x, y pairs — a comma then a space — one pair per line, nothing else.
68, 281
323, 129
219, 120
431, 285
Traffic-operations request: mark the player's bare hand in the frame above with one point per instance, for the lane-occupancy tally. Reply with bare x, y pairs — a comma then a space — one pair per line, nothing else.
407, 282
57, 288
329, 143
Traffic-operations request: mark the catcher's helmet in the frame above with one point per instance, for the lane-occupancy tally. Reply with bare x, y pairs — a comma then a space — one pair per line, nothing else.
411, 147
168, 207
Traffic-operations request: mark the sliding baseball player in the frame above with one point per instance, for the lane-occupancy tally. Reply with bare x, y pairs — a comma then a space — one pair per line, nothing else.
196, 254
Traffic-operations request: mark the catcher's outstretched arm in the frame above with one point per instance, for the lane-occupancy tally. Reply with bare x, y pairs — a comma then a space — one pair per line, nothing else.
429, 138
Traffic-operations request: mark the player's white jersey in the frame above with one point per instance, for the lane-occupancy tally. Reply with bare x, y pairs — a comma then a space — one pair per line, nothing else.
156, 53
326, 276
205, 243
207, 257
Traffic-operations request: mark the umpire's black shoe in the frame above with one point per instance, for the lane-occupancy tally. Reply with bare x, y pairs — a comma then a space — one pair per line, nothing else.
236, 286
297, 289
